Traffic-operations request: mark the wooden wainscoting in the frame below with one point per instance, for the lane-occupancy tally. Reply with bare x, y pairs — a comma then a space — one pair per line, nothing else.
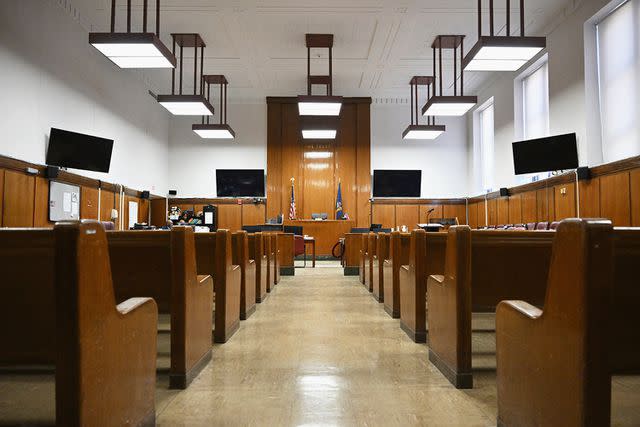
24, 197
392, 213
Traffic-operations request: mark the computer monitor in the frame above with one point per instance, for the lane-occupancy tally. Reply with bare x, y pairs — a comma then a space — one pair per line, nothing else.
375, 227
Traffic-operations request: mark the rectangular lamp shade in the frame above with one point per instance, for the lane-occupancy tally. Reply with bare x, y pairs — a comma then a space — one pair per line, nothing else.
209, 131
186, 105
425, 132
501, 53
319, 105
319, 134
133, 50
449, 105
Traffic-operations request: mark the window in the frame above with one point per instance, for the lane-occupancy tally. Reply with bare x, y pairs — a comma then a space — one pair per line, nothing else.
618, 56
535, 103
484, 141
532, 107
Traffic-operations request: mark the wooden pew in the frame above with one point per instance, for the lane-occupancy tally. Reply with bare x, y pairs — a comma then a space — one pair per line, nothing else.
426, 257
352, 254
286, 251
162, 265
377, 276
214, 256
555, 365
399, 245
363, 257
56, 290
243, 258
268, 247
276, 257
372, 245
257, 252
482, 268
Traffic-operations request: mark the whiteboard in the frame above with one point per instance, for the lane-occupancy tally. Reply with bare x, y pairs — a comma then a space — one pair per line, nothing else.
64, 201
133, 214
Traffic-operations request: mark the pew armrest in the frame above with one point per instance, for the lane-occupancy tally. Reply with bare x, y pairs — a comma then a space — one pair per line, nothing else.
436, 278
204, 278
521, 308
132, 304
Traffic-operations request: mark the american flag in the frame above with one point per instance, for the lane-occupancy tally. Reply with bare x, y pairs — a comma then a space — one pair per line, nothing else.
292, 207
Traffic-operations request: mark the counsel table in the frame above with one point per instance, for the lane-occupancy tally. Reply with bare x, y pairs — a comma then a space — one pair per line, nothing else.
327, 233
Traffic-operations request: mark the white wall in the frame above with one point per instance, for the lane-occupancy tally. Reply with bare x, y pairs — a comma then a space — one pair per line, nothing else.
193, 160
52, 77
568, 109
443, 162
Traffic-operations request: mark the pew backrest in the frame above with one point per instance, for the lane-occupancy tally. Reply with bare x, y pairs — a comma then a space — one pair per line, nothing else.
508, 265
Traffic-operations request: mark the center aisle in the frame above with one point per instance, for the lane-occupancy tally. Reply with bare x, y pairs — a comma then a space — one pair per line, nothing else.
321, 351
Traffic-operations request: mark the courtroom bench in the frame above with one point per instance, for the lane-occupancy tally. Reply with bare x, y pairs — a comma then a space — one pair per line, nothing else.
243, 258
377, 267
481, 269
555, 365
162, 265
398, 255
372, 246
364, 249
426, 257
59, 309
257, 252
214, 257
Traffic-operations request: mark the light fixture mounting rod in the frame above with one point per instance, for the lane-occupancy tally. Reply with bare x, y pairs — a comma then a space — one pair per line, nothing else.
145, 7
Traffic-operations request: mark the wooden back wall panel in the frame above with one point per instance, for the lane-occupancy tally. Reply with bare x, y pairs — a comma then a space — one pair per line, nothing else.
318, 167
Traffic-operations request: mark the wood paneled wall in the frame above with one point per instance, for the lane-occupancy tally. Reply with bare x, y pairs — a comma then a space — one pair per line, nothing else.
232, 213
317, 168
24, 197
613, 192
393, 213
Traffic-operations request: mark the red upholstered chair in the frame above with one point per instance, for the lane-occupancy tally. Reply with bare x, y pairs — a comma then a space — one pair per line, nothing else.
554, 225
298, 247
542, 226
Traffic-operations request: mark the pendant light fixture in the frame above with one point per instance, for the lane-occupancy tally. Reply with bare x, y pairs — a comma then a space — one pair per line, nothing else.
319, 127
209, 130
180, 104
439, 104
415, 130
502, 53
319, 105
134, 50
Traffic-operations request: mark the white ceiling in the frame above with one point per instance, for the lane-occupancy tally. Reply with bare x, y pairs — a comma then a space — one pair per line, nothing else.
260, 47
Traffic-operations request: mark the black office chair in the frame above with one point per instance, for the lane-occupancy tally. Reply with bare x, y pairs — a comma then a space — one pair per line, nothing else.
375, 227
294, 229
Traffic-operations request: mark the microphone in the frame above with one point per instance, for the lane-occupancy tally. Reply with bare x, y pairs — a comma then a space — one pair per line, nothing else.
430, 210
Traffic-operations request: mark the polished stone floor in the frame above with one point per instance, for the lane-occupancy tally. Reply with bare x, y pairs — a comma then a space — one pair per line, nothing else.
321, 352
318, 352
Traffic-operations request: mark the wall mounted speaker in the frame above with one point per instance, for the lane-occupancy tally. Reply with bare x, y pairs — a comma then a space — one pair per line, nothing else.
173, 192
583, 173
504, 192
145, 194
52, 172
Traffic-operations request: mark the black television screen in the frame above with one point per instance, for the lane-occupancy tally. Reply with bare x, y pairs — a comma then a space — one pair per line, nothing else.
79, 151
545, 154
397, 183
240, 182
76, 150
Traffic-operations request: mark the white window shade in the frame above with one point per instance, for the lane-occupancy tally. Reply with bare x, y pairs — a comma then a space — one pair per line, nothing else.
535, 103
619, 81
486, 133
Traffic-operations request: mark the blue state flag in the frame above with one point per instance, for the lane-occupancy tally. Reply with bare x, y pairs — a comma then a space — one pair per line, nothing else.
339, 212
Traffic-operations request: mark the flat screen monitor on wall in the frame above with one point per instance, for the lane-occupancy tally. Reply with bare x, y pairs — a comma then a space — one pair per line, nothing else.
79, 151
397, 183
550, 154
240, 182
